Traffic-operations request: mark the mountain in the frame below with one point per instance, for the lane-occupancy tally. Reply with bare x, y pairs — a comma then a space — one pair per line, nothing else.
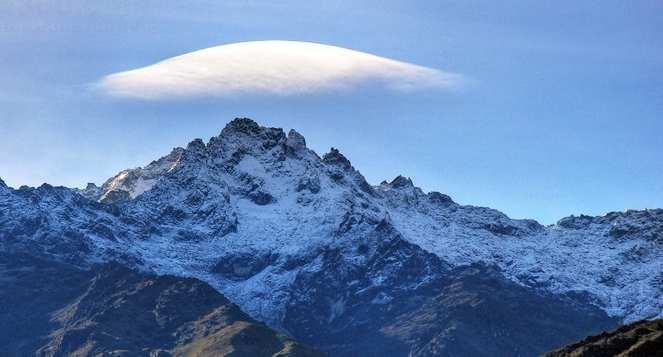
642, 338
305, 244
55, 309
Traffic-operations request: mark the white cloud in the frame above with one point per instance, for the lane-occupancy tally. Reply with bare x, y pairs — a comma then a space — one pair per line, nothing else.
271, 67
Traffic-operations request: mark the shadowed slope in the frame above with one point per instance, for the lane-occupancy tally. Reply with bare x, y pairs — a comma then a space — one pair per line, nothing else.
53, 309
642, 338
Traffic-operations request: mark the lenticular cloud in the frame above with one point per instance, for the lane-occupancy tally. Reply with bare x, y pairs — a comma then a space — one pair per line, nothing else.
271, 67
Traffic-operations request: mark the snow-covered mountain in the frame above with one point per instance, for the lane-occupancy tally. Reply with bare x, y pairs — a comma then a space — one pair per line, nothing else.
305, 244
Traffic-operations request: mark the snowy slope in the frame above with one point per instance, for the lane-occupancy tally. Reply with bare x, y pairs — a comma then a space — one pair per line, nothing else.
617, 258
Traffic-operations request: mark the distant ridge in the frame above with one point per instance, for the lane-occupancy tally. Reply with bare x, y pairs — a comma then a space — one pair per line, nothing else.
642, 338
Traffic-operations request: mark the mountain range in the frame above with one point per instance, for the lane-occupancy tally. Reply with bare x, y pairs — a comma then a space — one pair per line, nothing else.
293, 246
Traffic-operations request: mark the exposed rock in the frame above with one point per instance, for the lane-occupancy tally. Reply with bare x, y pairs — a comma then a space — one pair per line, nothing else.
334, 157
573, 222
196, 145
260, 197
440, 198
115, 196
91, 191
247, 133
310, 183
295, 140
384, 296
400, 182
243, 266
242, 125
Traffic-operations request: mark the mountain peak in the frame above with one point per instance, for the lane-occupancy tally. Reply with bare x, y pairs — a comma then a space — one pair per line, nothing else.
242, 125
45, 186
401, 181
196, 144
246, 132
334, 157
295, 140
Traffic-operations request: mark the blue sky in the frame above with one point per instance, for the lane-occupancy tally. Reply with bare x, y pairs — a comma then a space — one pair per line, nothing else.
563, 116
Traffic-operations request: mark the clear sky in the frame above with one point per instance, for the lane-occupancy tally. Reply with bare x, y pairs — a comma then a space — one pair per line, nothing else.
564, 114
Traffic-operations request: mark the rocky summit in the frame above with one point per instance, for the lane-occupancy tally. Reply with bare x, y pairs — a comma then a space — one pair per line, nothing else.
306, 245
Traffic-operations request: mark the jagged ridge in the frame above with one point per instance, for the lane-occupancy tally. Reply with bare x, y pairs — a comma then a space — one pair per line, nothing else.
641, 338
253, 212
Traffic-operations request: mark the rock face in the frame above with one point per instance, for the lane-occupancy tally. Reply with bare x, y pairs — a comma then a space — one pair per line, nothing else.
642, 338
387, 297
305, 244
112, 310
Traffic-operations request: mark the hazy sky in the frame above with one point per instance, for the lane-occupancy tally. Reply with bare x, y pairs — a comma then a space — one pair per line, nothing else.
564, 114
